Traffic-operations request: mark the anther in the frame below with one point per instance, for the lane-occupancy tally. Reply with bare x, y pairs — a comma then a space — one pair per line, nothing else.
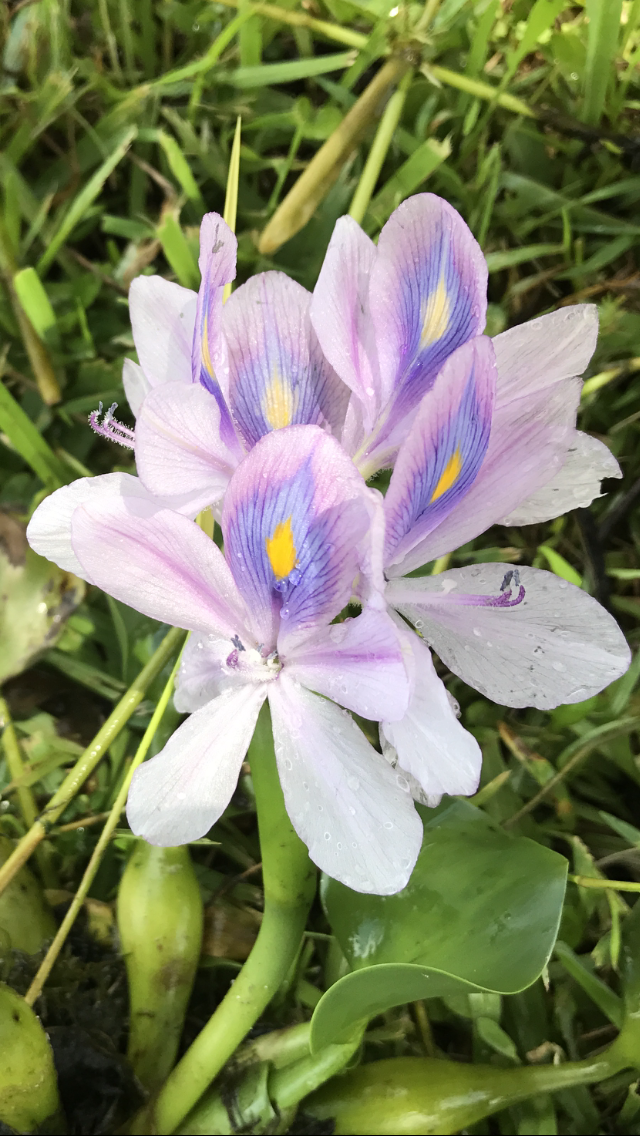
110, 428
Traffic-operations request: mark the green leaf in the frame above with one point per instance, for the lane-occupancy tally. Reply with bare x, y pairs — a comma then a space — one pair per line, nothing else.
559, 566
480, 912
85, 198
290, 72
406, 180
177, 251
35, 301
179, 166
29, 443
36, 598
602, 42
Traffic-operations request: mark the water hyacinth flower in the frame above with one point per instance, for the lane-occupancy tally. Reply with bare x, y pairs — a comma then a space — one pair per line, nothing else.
521, 636
388, 317
212, 380
297, 523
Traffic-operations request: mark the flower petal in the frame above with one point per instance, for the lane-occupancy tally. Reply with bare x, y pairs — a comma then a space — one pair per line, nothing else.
427, 297
573, 487
178, 443
177, 795
157, 562
544, 351
343, 798
292, 519
162, 319
357, 663
340, 314
529, 440
429, 742
557, 645
136, 385
277, 373
49, 530
217, 263
442, 455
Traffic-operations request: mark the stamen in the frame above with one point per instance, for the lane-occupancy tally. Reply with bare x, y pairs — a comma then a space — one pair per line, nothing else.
237, 642
110, 428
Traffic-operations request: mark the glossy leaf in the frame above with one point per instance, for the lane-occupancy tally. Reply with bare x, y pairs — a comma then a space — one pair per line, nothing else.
481, 912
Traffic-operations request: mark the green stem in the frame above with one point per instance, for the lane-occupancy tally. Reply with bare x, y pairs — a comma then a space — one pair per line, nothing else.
26, 799
48, 961
91, 756
379, 149
289, 885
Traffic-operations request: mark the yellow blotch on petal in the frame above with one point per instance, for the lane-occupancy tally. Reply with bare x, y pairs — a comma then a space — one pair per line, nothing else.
206, 354
281, 550
436, 316
278, 403
449, 475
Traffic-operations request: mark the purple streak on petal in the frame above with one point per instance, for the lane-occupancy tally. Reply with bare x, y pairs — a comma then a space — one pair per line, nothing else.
427, 297
110, 428
341, 317
440, 459
217, 263
299, 489
277, 374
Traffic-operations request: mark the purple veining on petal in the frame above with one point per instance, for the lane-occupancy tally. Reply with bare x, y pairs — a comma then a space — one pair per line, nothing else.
467, 600
444, 450
217, 267
110, 428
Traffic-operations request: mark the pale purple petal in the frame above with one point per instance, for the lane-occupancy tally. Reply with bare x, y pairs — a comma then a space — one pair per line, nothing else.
157, 562
292, 520
49, 530
551, 644
217, 264
136, 385
544, 351
341, 317
429, 742
575, 485
176, 796
345, 801
427, 297
528, 444
162, 319
444, 450
178, 443
277, 373
357, 663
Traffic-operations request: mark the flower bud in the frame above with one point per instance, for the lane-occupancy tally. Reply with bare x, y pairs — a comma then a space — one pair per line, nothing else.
28, 1087
24, 914
160, 925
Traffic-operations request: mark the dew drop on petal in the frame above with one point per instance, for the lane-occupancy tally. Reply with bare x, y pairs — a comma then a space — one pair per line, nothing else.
557, 666
353, 783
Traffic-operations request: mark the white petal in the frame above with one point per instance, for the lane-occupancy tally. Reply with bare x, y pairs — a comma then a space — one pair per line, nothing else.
357, 663
178, 443
136, 385
49, 531
430, 742
163, 317
557, 646
179, 794
544, 351
574, 486
344, 799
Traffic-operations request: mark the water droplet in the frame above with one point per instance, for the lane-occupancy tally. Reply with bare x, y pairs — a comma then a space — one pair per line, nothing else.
327, 836
538, 650
402, 783
352, 812
388, 825
288, 764
558, 666
353, 783
477, 631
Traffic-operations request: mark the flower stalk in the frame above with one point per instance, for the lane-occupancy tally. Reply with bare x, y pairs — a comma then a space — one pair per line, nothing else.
289, 885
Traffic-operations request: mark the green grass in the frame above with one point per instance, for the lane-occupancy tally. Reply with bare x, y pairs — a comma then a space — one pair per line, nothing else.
117, 123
